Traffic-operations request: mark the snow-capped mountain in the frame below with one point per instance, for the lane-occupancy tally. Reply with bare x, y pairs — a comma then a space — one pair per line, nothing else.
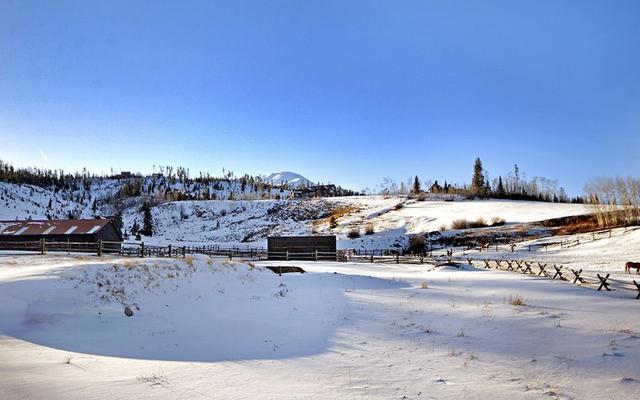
286, 177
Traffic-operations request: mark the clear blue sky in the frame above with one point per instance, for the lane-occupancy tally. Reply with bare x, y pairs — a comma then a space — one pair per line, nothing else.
341, 91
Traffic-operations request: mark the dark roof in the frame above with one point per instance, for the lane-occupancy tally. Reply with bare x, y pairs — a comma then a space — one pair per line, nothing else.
53, 227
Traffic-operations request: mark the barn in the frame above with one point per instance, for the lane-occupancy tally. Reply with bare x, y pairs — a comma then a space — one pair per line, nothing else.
301, 248
61, 230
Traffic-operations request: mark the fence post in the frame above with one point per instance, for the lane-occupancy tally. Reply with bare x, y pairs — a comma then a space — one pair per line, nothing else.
142, 249
42, 246
287, 255
398, 258
230, 255
169, 251
99, 247
184, 251
316, 255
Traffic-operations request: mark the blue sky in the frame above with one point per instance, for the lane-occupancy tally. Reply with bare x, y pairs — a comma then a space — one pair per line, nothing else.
341, 91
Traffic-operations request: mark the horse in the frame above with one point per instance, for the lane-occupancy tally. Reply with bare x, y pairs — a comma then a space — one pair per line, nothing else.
629, 265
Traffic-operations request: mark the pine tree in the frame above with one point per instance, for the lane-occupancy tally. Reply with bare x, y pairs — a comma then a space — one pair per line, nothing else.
416, 186
147, 223
500, 192
333, 223
477, 182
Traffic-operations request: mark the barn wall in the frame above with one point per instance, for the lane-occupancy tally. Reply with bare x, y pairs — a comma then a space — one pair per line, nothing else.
295, 245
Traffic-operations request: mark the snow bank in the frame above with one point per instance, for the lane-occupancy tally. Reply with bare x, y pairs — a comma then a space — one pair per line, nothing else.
196, 309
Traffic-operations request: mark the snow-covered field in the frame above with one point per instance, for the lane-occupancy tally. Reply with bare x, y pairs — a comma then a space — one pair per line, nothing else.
215, 330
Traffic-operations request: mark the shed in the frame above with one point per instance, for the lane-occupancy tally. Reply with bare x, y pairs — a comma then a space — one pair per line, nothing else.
301, 248
61, 230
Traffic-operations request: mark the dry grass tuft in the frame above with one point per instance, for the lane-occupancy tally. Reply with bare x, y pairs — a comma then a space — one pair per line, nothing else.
369, 229
478, 223
460, 223
516, 300
189, 260
354, 233
497, 221
424, 285
399, 206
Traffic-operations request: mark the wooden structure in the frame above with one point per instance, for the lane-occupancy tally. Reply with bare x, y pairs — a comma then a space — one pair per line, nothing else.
61, 230
316, 191
301, 248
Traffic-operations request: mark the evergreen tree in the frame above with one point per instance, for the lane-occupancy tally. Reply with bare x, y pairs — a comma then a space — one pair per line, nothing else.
477, 182
416, 186
333, 223
500, 192
147, 223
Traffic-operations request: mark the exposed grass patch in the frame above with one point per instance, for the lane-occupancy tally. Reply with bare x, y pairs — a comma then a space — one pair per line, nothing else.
478, 223
354, 233
497, 221
189, 260
516, 300
369, 229
460, 223
398, 206
424, 285
154, 379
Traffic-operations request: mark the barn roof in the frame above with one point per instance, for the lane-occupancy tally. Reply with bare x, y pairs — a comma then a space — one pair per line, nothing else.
53, 227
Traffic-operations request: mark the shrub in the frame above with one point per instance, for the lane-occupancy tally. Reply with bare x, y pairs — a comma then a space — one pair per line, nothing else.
333, 223
369, 229
354, 233
442, 228
497, 221
478, 223
516, 300
399, 206
424, 285
421, 197
417, 244
460, 224
189, 260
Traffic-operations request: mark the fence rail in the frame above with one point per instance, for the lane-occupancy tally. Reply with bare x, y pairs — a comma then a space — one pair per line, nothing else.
601, 280
546, 270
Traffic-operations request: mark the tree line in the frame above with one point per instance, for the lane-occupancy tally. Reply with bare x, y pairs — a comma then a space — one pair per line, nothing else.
514, 185
615, 201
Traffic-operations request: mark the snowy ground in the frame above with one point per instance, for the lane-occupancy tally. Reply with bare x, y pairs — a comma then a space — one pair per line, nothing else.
605, 254
248, 223
213, 330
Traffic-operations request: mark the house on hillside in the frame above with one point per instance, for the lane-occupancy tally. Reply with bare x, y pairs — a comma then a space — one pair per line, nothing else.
316, 191
61, 230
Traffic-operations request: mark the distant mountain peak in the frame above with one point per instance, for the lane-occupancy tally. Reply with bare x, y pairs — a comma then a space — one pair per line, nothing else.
287, 177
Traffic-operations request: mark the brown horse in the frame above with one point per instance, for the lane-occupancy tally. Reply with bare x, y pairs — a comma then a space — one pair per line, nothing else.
629, 265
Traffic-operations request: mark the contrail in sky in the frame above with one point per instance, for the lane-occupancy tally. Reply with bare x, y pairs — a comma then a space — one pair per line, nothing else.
44, 156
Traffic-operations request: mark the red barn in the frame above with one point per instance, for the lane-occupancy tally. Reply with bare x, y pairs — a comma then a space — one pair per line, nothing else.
61, 230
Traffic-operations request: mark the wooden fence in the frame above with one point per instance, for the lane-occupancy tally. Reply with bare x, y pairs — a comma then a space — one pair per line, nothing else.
551, 271
601, 281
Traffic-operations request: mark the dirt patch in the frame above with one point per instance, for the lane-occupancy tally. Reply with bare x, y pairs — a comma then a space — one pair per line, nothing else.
286, 269
336, 213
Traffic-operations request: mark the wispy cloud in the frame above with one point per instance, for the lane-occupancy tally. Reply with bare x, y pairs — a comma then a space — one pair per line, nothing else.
44, 156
